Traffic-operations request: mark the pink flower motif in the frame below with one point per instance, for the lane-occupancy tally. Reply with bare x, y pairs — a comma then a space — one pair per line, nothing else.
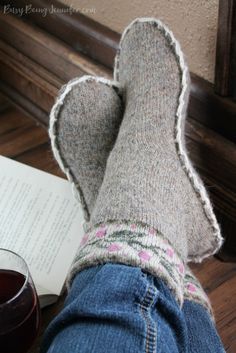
181, 268
144, 256
101, 233
152, 231
114, 247
170, 252
133, 226
84, 240
191, 287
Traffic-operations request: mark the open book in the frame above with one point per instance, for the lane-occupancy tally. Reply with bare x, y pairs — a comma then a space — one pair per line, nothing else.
41, 221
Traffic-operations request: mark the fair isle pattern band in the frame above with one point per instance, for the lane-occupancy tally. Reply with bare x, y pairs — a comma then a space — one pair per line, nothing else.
53, 132
179, 134
193, 291
135, 245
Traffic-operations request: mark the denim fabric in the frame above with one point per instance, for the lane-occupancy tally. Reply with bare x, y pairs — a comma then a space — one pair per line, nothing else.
202, 334
115, 308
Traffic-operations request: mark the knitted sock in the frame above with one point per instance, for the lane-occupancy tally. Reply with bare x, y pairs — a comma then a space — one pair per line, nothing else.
193, 291
83, 128
149, 178
84, 123
151, 204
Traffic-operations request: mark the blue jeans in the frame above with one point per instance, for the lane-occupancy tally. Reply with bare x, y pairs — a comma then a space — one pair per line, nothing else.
114, 308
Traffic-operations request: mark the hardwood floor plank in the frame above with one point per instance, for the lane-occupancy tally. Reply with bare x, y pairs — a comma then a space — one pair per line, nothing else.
224, 302
212, 273
41, 157
10, 121
21, 139
219, 153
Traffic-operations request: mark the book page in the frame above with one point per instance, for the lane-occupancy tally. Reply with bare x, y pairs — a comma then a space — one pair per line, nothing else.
40, 220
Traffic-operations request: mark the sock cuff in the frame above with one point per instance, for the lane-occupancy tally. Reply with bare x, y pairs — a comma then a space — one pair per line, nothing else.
193, 291
135, 245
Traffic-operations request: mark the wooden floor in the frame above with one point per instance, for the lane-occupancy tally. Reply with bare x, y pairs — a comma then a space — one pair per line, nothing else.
25, 141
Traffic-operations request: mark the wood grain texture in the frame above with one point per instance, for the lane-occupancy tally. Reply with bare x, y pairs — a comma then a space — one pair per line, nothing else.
44, 49
232, 78
218, 278
81, 33
50, 43
219, 281
24, 104
34, 66
214, 157
226, 49
213, 111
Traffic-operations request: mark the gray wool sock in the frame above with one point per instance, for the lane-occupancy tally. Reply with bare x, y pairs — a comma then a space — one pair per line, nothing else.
84, 123
149, 179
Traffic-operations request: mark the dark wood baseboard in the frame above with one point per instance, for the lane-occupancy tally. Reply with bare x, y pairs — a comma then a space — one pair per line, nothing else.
34, 65
99, 43
38, 55
77, 31
225, 66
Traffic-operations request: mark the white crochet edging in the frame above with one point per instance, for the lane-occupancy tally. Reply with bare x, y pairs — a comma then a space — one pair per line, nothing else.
54, 116
179, 133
